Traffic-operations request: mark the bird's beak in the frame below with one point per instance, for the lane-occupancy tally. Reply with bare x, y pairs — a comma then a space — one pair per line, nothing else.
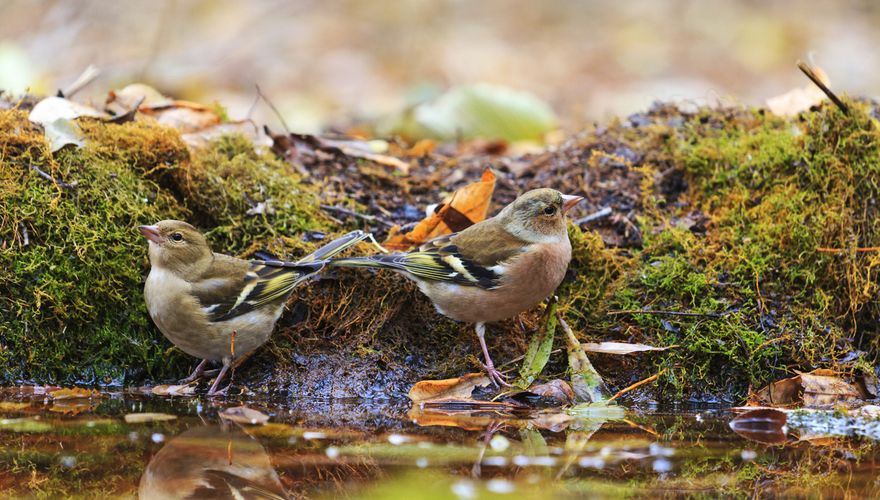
151, 233
569, 201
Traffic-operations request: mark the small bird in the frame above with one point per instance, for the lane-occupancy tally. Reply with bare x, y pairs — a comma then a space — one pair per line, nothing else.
494, 269
211, 461
214, 306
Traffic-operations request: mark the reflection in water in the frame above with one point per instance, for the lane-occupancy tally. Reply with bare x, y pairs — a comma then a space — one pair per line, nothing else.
211, 461
357, 450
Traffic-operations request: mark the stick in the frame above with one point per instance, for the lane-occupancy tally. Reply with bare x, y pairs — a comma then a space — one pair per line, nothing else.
670, 313
44, 175
807, 70
274, 109
352, 213
842, 250
88, 76
600, 214
638, 384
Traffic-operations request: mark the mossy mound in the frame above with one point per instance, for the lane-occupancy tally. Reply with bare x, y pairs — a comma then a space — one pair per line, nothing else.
72, 264
740, 237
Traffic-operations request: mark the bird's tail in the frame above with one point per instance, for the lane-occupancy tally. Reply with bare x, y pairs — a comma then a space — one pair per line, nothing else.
394, 261
317, 259
336, 246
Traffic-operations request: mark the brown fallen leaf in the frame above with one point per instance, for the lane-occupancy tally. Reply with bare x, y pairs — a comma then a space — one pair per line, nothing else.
461, 387
819, 388
244, 415
201, 138
141, 418
799, 99
185, 116
464, 208
289, 146
75, 393
621, 347
765, 425
554, 393
175, 390
13, 406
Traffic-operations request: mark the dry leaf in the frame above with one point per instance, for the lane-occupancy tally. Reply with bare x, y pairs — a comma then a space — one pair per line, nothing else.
141, 418
290, 145
621, 347
185, 116
75, 393
246, 128
799, 99
464, 208
461, 387
174, 390
765, 425
810, 390
12, 406
244, 415
58, 108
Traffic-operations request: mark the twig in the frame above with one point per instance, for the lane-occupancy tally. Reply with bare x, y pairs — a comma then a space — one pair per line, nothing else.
600, 214
274, 109
44, 175
842, 250
669, 313
86, 77
807, 70
26, 240
352, 213
638, 384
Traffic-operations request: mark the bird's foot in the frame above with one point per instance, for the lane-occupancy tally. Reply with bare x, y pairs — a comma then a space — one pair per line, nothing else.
220, 392
198, 373
497, 378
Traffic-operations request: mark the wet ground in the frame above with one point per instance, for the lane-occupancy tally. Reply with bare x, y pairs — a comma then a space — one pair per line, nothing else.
319, 449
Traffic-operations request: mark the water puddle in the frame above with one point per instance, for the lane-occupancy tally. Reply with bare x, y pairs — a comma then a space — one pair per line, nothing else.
314, 449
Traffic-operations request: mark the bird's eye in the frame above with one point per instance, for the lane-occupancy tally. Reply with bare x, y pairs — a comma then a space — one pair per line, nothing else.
549, 210
177, 237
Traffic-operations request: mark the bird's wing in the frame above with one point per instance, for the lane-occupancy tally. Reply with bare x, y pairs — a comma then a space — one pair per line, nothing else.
468, 258
233, 287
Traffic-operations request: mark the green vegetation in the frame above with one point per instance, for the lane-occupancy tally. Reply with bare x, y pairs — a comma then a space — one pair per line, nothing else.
735, 209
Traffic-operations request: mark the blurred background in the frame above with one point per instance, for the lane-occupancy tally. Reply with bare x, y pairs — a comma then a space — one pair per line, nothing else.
328, 62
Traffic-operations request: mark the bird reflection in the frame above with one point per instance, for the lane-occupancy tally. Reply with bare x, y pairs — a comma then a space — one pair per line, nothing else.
211, 462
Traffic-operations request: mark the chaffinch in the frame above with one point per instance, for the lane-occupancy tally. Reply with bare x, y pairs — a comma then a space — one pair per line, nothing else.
199, 299
211, 461
494, 269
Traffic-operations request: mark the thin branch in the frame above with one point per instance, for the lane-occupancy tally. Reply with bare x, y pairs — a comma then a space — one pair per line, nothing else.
274, 109
844, 250
599, 214
638, 384
807, 70
670, 313
44, 175
352, 213
88, 76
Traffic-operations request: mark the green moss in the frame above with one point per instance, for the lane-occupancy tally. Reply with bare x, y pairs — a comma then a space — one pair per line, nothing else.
72, 290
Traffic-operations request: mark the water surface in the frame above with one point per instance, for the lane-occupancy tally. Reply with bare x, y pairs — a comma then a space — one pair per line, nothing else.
352, 449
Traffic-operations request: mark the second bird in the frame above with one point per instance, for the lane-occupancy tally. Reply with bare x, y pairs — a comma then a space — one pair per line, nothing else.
494, 269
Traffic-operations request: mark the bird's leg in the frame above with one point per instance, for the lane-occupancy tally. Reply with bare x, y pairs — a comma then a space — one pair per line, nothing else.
196, 374
227, 362
495, 376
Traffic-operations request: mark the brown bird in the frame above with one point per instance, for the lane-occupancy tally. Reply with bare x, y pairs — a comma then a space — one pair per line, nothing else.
494, 269
200, 299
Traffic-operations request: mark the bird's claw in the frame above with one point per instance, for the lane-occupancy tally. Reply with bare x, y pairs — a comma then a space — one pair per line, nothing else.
497, 378
221, 392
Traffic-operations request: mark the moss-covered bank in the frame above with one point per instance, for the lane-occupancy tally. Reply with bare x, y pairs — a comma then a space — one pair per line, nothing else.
722, 214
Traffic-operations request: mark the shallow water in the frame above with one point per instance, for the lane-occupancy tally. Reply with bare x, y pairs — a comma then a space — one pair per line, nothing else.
321, 449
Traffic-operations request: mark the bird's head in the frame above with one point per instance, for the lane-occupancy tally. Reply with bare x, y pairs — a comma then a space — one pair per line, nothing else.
176, 246
538, 215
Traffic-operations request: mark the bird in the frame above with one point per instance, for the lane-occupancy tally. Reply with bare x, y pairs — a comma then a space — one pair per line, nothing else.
211, 461
494, 269
214, 306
